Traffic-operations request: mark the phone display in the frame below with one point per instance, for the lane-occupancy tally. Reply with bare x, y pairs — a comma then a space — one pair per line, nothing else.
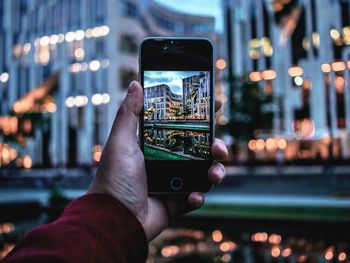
176, 115
176, 124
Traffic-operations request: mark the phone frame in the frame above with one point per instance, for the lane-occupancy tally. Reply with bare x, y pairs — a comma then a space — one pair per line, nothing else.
162, 173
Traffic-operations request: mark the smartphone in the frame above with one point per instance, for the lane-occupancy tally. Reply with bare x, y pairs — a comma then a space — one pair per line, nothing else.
177, 122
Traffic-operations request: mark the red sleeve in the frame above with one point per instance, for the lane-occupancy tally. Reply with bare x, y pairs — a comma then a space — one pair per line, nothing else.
93, 228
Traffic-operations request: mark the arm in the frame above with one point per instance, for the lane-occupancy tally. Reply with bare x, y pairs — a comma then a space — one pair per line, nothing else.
93, 228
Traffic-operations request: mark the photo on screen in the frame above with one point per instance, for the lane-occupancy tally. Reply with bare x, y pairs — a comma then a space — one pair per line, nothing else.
177, 115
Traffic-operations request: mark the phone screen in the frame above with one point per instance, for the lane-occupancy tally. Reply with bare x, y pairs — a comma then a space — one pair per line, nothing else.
176, 115
177, 123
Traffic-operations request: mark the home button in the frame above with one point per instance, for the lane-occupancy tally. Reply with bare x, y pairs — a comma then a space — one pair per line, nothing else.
176, 183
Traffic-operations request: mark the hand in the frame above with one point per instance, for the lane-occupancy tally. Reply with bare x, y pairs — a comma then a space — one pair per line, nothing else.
121, 172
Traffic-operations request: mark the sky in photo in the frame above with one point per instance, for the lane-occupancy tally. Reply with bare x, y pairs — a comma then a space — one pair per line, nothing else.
171, 78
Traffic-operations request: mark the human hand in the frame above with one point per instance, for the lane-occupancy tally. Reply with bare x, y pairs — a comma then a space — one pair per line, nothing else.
121, 172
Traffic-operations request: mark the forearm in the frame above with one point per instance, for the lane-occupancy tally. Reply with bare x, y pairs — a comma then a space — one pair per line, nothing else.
93, 228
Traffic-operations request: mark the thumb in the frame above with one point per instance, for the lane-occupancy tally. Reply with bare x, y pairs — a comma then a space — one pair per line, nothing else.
125, 124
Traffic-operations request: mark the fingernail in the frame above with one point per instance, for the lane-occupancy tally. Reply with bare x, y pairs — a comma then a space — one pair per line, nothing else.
220, 172
219, 169
132, 87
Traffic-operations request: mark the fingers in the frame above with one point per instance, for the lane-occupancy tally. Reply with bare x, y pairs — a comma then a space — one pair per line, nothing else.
216, 173
166, 208
219, 150
218, 105
179, 205
195, 200
125, 124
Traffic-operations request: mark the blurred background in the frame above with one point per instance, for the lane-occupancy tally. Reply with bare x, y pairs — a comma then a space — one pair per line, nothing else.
282, 74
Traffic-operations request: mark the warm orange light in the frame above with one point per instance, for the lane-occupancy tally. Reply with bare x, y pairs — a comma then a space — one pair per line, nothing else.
282, 144
216, 236
269, 74
326, 68
338, 66
260, 145
227, 246
274, 238
8, 125
7, 154
275, 252
79, 54
270, 144
334, 34
51, 107
329, 255
254, 43
339, 84
302, 258
27, 162
220, 64
342, 256
286, 252
169, 251
315, 39
252, 145
307, 84
255, 76
254, 54
326, 139
44, 55
224, 247
6, 228
295, 71
260, 237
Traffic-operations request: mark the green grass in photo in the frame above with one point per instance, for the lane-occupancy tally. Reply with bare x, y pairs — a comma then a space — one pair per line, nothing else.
155, 154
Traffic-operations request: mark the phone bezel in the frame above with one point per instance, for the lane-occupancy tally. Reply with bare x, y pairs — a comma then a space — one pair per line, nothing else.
161, 172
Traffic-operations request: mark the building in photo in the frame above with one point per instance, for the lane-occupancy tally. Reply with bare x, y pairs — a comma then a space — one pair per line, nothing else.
196, 96
161, 103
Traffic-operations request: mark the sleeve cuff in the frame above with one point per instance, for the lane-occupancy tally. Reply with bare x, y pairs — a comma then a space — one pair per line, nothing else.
111, 223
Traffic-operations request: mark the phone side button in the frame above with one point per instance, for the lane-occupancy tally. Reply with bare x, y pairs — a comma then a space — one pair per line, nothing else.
176, 183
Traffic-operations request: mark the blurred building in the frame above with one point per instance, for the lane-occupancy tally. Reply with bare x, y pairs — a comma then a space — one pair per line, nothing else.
299, 52
196, 95
65, 67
